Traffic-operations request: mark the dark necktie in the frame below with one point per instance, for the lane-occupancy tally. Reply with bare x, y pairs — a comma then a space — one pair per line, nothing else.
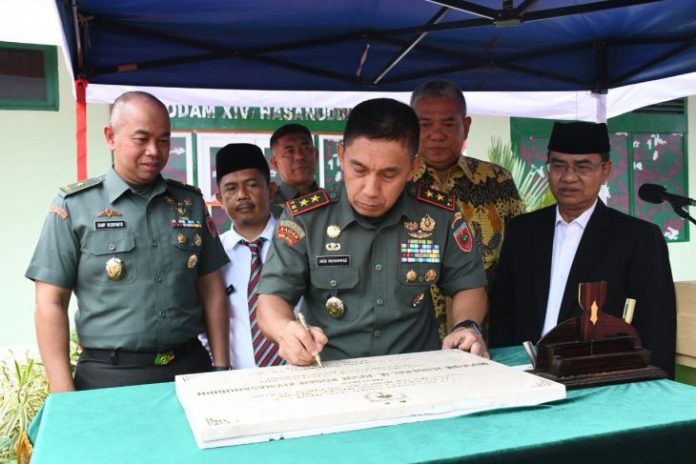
265, 352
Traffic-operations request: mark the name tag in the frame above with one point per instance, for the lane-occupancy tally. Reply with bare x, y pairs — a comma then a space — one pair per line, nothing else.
107, 225
333, 260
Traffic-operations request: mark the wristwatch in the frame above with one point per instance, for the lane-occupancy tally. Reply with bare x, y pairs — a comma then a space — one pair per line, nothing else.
221, 368
468, 324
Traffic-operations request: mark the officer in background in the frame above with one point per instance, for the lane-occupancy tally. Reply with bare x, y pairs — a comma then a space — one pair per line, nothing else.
141, 255
294, 158
365, 255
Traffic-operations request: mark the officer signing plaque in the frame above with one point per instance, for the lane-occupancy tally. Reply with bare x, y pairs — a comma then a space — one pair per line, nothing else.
253, 405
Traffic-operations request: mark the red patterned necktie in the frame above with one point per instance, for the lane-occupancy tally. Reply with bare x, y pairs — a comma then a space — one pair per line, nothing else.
265, 352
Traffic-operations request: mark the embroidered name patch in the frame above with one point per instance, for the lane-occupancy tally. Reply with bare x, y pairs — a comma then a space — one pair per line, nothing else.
290, 232
420, 251
330, 260
108, 225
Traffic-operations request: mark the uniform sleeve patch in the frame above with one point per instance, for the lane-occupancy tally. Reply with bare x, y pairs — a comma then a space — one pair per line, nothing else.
290, 232
435, 198
60, 212
308, 202
461, 233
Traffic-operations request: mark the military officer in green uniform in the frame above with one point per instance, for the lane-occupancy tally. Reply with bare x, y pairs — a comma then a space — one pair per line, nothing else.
141, 255
294, 158
365, 255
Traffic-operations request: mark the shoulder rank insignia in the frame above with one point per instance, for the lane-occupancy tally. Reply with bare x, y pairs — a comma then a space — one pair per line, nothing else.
80, 186
308, 202
433, 197
176, 183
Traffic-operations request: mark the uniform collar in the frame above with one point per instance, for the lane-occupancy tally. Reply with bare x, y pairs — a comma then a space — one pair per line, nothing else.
348, 214
116, 187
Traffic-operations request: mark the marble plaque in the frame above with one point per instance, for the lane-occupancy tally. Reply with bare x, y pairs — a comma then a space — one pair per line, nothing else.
252, 405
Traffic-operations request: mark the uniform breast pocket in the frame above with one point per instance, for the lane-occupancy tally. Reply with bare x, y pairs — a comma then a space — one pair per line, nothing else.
415, 280
188, 245
335, 290
108, 259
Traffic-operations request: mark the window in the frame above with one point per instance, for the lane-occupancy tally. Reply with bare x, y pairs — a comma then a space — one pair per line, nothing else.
28, 77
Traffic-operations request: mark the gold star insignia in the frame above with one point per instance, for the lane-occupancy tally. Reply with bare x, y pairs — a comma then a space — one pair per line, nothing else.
440, 197
315, 198
429, 194
304, 202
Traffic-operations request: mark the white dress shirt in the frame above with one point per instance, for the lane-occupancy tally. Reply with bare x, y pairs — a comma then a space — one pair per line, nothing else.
566, 239
235, 276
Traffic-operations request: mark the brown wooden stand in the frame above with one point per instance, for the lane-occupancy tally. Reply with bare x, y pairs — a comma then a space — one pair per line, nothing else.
595, 348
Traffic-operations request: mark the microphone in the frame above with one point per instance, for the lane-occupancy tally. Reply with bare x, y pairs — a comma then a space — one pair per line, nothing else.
653, 193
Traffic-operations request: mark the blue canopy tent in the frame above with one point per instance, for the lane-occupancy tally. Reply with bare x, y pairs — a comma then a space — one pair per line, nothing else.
388, 45
379, 45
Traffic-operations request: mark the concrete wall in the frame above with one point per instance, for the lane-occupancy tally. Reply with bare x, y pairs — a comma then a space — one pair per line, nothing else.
37, 155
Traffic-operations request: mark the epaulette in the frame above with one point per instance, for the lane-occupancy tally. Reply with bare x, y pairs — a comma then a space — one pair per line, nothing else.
176, 183
80, 186
433, 197
309, 202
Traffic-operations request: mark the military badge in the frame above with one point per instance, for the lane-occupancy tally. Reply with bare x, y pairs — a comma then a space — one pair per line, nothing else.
333, 246
109, 213
197, 240
290, 232
418, 299
430, 276
411, 276
181, 239
410, 226
308, 203
435, 198
335, 307
333, 231
420, 251
462, 236
192, 261
115, 269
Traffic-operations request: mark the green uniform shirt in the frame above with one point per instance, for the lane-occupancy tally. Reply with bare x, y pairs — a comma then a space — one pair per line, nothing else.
159, 245
284, 193
381, 272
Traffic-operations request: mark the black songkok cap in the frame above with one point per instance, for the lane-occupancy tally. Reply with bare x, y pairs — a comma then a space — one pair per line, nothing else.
237, 156
579, 138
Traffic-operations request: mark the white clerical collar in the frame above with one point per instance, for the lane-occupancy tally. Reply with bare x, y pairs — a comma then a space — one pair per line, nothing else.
581, 220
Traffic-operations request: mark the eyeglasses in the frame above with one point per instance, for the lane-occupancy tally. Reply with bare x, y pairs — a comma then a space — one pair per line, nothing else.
557, 168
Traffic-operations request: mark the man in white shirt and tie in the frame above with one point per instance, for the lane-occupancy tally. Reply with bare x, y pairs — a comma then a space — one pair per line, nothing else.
246, 193
548, 252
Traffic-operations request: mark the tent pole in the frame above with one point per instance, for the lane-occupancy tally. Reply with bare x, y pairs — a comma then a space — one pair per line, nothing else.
81, 133
601, 106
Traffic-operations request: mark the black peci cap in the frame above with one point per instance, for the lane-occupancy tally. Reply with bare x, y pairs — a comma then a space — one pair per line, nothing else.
237, 156
578, 138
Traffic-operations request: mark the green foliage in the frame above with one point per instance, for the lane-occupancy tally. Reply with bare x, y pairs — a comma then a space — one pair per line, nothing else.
23, 390
531, 185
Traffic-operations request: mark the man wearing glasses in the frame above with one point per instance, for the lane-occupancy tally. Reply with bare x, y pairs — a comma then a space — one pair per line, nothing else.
547, 253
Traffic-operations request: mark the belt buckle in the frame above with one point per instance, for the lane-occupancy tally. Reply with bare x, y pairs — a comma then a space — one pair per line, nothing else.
162, 359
